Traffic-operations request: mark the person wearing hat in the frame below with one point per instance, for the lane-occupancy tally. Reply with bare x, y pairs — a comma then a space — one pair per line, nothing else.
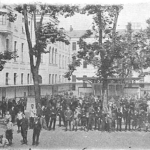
36, 131
119, 119
61, 115
32, 115
7, 117
83, 119
128, 119
53, 114
9, 131
13, 114
91, 117
19, 119
75, 119
98, 115
24, 128
68, 117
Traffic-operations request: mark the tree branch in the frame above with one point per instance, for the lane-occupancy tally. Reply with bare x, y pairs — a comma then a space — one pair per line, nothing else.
28, 37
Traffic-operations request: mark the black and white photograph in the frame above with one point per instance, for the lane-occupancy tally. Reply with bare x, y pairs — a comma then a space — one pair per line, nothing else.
74, 75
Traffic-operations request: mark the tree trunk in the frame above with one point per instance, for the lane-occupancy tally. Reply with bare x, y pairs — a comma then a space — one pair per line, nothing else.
34, 68
104, 93
36, 86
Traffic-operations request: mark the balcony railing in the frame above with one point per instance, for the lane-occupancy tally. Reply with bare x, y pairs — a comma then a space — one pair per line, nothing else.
5, 25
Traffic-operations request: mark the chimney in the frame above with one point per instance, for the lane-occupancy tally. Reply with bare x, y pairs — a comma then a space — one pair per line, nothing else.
71, 29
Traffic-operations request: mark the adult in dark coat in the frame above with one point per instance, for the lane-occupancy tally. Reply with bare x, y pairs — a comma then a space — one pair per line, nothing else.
53, 114
4, 108
128, 119
47, 115
68, 118
91, 117
13, 114
119, 121
83, 119
36, 131
61, 116
24, 128
98, 115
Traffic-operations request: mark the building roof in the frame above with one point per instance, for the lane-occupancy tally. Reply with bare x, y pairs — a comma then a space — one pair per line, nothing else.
87, 78
123, 31
79, 33
76, 33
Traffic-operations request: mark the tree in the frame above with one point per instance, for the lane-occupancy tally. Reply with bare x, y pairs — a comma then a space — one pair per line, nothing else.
42, 33
106, 50
137, 52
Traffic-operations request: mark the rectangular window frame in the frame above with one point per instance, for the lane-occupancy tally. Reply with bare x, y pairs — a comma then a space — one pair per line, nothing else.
74, 46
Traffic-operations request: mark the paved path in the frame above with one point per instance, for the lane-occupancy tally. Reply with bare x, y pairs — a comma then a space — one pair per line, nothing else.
60, 139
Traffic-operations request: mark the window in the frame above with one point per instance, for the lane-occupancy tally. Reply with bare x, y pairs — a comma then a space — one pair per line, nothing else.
2, 19
7, 74
59, 61
59, 78
28, 78
7, 44
62, 79
22, 47
49, 55
73, 87
49, 78
55, 56
55, 78
15, 49
73, 78
73, 46
52, 55
84, 64
15, 77
21, 78
84, 81
84, 84
66, 62
63, 62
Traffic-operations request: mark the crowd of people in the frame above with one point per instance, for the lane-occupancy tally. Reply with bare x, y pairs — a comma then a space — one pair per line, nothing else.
77, 113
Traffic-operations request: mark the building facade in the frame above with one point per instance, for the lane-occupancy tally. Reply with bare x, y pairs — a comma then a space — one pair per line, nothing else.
84, 69
13, 38
16, 72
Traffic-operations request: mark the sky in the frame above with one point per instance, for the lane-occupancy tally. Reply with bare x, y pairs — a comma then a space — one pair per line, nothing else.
133, 11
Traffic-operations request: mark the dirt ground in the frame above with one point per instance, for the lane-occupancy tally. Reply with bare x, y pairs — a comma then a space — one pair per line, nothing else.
82, 140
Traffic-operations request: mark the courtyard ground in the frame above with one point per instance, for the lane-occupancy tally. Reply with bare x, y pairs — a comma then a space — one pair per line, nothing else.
61, 139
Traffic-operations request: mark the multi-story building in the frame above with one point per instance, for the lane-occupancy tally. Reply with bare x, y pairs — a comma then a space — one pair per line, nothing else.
84, 69
16, 72
13, 38
88, 70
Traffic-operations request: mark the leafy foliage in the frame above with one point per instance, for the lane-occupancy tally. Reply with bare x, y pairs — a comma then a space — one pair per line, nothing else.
104, 52
46, 31
4, 57
112, 53
11, 16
